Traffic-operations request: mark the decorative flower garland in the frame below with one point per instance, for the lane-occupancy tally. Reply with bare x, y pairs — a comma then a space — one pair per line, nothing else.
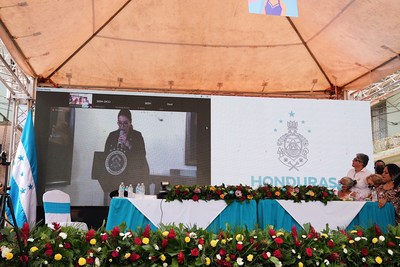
182, 246
242, 193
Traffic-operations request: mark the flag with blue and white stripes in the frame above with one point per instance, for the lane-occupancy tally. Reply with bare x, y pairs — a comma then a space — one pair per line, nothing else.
23, 179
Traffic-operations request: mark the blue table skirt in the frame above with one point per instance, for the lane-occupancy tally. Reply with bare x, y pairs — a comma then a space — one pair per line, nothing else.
243, 214
270, 212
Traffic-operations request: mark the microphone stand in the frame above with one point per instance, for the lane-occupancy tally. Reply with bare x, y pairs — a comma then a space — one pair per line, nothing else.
5, 199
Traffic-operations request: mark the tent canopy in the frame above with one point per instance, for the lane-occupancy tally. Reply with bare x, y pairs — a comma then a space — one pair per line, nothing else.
205, 47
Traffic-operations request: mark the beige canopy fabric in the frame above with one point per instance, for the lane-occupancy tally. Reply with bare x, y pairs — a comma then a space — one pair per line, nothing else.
204, 46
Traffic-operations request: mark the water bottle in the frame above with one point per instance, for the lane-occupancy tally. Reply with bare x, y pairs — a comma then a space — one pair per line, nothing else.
374, 195
142, 189
121, 190
130, 191
152, 189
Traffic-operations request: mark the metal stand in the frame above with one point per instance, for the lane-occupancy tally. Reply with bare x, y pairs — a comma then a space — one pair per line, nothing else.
5, 199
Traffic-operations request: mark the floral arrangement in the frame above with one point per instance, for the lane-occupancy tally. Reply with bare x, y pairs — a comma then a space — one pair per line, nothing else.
181, 246
243, 192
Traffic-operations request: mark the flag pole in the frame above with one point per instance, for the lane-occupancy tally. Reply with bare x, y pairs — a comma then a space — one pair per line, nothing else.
5, 199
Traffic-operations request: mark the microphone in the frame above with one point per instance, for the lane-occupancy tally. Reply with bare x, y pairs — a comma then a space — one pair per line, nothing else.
121, 133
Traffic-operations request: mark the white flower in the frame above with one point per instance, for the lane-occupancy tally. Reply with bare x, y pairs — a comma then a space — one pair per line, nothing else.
269, 254
46, 262
317, 263
63, 235
156, 247
240, 242
326, 262
255, 237
125, 235
99, 249
60, 245
357, 239
293, 251
30, 239
91, 254
381, 238
118, 249
390, 252
200, 246
97, 261
218, 257
364, 238
299, 256
193, 235
165, 264
363, 259
345, 250
4, 251
239, 261
304, 236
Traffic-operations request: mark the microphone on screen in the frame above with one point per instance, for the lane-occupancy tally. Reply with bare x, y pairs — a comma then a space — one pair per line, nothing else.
121, 133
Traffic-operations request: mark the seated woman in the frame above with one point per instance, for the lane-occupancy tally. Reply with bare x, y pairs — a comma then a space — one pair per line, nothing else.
346, 193
390, 190
374, 181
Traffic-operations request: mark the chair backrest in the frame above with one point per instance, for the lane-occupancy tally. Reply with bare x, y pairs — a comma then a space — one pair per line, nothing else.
57, 207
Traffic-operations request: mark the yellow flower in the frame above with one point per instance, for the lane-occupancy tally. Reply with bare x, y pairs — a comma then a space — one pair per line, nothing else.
127, 255
187, 239
92, 241
222, 196
324, 235
249, 196
162, 257
343, 246
165, 233
223, 241
277, 193
351, 241
212, 188
213, 243
9, 256
58, 257
353, 231
378, 260
228, 258
300, 264
250, 257
239, 237
279, 233
311, 193
81, 261
374, 240
33, 249
208, 261
145, 240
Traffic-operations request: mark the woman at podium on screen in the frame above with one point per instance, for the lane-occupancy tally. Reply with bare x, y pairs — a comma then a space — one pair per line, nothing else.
130, 142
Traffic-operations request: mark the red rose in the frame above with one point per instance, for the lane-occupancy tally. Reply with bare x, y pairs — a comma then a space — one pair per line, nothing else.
201, 241
138, 241
134, 257
115, 254
104, 237
89, 260
297, 243
331, 244
89, 235
222, 252
218, 192
265, 255
271, 232
56, 226
269, 194
239, 247
67, 245
164, 243
48, 252
359, 233
24, 258
146, 232
195, 198
334, 256
47, 246
278, 241
115, 231
324, 194
278, 254
364, 251
181, 258
171, 234
391, 244
194, 252
309, 252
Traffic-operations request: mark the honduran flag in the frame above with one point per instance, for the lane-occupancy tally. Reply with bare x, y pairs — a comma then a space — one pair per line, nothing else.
23, 179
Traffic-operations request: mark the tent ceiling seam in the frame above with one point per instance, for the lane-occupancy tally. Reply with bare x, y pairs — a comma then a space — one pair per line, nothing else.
88, 40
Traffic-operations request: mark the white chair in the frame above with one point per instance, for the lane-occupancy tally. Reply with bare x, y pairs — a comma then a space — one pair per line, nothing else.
57, 208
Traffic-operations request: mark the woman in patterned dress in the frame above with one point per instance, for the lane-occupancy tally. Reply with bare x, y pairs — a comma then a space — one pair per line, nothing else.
390, 190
